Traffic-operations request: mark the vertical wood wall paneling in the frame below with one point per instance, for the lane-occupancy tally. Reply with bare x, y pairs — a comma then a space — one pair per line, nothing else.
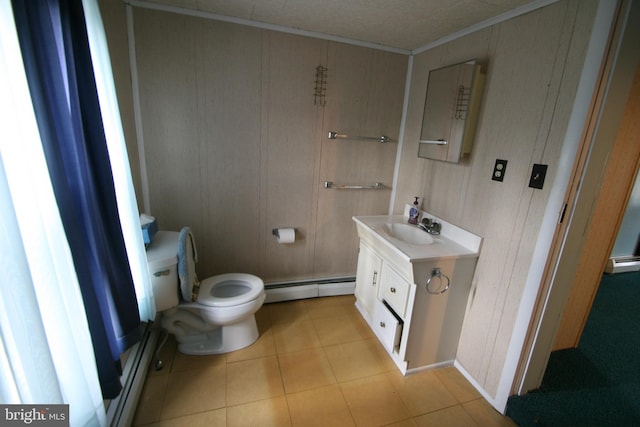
364, 98
440, 177
514, 228
167, 68
530, 89
229, 122
237, 147
291, 151
570, 49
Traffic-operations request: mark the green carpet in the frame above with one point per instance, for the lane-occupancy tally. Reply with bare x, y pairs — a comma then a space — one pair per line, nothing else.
598, 383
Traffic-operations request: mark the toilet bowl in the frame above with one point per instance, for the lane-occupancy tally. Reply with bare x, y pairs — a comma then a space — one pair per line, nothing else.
216, 315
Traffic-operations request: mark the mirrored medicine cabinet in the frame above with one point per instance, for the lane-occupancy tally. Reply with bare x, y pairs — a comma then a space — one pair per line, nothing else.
451, 111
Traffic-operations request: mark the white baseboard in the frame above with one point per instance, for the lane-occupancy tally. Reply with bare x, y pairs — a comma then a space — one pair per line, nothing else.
500, 407
430, 367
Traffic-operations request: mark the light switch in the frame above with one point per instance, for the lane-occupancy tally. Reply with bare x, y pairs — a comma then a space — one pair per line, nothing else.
538, 173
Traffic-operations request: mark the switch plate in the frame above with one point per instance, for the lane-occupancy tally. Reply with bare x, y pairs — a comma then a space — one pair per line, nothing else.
538, 173
499, 169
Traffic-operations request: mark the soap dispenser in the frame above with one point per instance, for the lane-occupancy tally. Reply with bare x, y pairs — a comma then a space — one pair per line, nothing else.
414, 212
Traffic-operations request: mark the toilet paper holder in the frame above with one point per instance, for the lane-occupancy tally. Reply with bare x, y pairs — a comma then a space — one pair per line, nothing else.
277, 234
276, 231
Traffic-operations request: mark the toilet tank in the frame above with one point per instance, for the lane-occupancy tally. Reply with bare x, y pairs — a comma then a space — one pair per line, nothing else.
162, 261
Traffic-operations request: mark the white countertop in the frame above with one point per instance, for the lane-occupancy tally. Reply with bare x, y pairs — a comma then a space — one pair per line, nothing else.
453, 242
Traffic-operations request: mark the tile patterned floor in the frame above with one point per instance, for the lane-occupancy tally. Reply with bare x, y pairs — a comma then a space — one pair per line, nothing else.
316, 363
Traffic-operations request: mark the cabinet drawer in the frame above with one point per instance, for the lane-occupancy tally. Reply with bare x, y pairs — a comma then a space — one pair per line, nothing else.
387, 327
394, 289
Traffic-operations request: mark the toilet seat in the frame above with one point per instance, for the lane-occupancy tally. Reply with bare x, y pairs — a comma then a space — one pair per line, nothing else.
230, 289
223, 290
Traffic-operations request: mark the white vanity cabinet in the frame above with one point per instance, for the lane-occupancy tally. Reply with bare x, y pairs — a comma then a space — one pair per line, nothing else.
418, 326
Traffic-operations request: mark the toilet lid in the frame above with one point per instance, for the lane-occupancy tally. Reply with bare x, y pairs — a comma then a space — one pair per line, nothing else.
187, 257
225, 290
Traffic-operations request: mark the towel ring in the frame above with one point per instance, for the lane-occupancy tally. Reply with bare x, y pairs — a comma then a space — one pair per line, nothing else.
437, 273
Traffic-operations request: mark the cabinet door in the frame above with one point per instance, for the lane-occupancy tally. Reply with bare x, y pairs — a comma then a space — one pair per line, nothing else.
367, 278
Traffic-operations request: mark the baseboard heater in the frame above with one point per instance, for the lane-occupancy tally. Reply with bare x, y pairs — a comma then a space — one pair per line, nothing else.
623, 264
288, 291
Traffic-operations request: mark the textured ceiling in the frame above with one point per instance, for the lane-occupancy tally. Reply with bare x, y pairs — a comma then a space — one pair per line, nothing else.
401, 24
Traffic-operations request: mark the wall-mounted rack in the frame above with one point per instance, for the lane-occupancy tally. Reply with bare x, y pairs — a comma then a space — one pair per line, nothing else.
336, 135
462, 102
375, 186
321, 86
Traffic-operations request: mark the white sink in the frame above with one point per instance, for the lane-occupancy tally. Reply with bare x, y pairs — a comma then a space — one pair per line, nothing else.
392, 236
407, 233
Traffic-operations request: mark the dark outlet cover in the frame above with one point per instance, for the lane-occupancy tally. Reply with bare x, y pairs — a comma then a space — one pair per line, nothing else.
537, 176
499, 169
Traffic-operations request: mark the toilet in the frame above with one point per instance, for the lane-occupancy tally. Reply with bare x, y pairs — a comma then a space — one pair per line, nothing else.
216, 315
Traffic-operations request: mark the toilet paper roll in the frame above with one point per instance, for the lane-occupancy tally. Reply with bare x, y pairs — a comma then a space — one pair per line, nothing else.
286, 235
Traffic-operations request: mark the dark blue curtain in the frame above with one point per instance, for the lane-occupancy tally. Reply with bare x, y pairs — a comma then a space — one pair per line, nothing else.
55, 48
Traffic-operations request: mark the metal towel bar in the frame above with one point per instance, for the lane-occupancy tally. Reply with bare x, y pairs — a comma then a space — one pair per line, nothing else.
335, 135
435, 142
376, 186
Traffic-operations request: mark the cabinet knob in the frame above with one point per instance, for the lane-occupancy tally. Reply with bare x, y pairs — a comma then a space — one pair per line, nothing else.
393, 290
382, 325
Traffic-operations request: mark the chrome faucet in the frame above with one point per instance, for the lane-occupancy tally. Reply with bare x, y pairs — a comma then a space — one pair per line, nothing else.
430, 226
